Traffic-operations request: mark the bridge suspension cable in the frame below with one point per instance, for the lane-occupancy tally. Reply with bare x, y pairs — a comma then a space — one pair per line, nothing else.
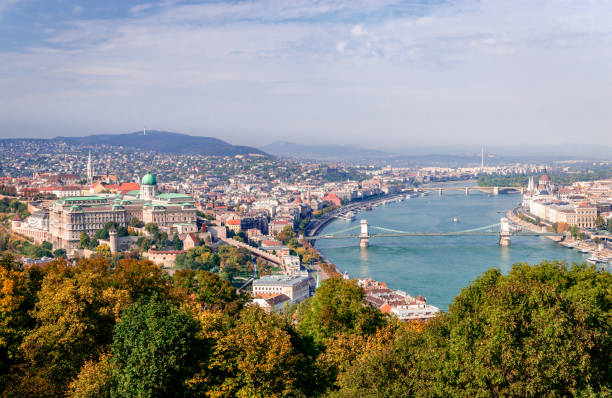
344, 230
482, 228
454, 232
389, 229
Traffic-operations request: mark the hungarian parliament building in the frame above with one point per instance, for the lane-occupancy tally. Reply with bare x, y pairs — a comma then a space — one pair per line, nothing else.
68, 217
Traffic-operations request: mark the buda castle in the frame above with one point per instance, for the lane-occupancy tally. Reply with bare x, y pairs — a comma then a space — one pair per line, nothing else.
70, 216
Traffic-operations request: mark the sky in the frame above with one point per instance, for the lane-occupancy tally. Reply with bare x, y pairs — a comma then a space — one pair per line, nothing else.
377, 73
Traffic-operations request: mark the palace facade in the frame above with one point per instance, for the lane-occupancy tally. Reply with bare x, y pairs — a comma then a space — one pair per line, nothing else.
70, 216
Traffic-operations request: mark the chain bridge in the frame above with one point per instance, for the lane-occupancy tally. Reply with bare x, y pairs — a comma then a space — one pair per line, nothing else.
504, 230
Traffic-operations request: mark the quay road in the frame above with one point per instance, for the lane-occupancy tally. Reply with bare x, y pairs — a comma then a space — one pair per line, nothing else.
317, 224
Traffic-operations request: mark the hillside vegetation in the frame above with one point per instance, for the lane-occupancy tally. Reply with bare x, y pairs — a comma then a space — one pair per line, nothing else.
134, 331
165, 142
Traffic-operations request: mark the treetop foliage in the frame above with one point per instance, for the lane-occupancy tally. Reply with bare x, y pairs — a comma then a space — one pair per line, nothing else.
92, 330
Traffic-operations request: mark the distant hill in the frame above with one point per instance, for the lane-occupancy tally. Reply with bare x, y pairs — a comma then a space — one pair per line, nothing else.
165, 142
324, 152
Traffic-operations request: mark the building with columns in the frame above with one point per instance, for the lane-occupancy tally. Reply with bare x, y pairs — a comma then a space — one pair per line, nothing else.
70, 216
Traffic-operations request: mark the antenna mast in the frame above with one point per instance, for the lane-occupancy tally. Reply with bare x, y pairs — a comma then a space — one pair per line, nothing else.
482, 158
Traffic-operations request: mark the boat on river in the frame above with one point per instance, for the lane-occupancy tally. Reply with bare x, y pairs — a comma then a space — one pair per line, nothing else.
597, 259
348, 216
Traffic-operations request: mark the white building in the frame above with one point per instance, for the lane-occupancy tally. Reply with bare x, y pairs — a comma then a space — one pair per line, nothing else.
296, 287
414, 312
275, 303
292, 265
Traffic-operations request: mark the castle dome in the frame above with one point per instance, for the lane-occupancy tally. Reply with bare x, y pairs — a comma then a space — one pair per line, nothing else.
149, 179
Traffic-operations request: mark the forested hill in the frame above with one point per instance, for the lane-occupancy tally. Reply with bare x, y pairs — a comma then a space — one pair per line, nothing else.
131, 330
166, 142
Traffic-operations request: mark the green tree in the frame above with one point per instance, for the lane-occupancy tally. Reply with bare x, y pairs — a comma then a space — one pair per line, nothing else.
75, 315
286, 234
499, 325
140, 278
84, 240
337, 307
379, 365
177, 243
229, 270
542, 330
199, 257
154, 350
574, 231
16, 300
600, 223
143, 243
103, 249
95, 379
152, 228
209, 290
59, 253
255, 358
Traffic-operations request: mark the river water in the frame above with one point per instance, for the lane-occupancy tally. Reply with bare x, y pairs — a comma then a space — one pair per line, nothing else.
436, 267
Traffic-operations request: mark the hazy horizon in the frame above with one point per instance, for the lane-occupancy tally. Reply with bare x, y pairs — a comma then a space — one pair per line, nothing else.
379, 74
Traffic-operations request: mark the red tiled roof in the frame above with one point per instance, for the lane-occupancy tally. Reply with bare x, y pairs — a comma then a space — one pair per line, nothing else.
129, 186
271, 243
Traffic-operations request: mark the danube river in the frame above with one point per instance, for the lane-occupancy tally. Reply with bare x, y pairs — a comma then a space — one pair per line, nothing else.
436, 267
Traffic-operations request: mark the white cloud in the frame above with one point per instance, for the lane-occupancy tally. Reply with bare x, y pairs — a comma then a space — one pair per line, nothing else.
358, 30
140, 7
257, 71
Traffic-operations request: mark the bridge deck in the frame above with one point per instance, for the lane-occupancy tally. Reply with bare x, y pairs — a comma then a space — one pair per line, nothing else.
393, 235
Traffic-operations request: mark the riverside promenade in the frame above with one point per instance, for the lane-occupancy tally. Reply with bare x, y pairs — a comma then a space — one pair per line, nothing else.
512, 215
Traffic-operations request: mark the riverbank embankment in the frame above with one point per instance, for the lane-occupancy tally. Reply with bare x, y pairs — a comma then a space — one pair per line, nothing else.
513, 216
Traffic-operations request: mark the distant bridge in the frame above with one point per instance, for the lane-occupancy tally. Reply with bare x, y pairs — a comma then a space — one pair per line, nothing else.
491, 190
503, 230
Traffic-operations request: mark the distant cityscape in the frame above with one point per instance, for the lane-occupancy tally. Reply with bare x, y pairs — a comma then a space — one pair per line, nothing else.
85, 201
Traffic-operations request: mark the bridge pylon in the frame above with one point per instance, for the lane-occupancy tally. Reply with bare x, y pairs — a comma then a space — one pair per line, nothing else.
364, 235
504, 232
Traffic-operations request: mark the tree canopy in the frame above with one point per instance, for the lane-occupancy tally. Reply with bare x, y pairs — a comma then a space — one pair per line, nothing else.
154, 350
92, 330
